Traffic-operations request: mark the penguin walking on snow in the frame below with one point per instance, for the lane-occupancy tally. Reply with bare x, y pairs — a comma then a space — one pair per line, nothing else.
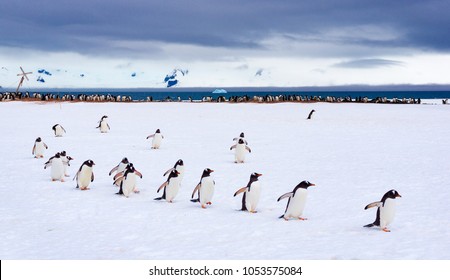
296, 202
385, 211
171, 187
239, 155
57, 167
157, 139
251, 192
85, 175
103, 125
120, 167
66, 160
59, 130
179, 166
39, 148
204, 189
126, 180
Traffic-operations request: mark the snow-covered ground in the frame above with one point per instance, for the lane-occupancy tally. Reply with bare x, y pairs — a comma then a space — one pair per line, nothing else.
354, 153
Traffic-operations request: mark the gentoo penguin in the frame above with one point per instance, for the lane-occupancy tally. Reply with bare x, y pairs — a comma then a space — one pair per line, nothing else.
251, 192
85, 175
385, 211
310, 114
66, 160
57, 170
120, 167
179, 166
59, 130
171, 187
239, 155
296, 202
126, 180
38, 148
103, 125
204, 189
157, 138
241, 136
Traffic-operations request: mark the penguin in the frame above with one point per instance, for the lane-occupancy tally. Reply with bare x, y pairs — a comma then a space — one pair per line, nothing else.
85, 175
103, 125
239, 155
120, 167
241, 136
57, 167
38, 148
157, 138
126, 180
310, 114
179, 166
385, 211
296, 202
251, 192
171, 187
59, 130
66, 160
204, 189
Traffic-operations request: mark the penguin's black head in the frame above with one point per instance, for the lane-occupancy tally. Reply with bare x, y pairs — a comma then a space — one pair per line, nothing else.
130, 167
241, 135
241, 141
104, 117
57, 155
38, 139
304, 185
254, 176
392, 194
158, 131
180, 162
206, 172
124, 160
89, 163
63, 153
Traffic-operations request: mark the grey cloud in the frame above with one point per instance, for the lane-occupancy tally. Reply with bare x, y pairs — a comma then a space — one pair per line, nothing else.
368, 63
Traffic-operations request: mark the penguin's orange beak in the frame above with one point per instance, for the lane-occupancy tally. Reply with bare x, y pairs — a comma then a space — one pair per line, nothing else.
312, 184
258, 174
177, 172
398, 195
211, 170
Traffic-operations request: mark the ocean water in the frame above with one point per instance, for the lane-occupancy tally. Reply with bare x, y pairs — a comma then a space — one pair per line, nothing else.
198, 95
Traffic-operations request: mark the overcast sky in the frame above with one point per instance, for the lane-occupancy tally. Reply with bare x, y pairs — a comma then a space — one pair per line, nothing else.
93, 43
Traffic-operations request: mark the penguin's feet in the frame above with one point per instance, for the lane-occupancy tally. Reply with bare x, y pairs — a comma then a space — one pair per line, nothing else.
302, 219
53, 180
286, 219
62, 180
253, 211
385, 230
209, 202
204, 206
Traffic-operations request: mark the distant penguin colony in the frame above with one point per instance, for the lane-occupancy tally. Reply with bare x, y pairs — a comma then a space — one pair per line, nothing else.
385, 211
157, 139
59, 130
252, 192
103, 125
296, 202
85, 175
39, 148
204, 189
126, 179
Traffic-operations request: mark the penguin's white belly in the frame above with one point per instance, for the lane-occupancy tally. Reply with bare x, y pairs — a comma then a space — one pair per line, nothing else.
128, 184
252, 196
59, 131
297, 204
156, 142
84, 178
39, 149
239, 154
172, 188
104, 127
65, 164
57, 171
180, 168
387, 213
206, 190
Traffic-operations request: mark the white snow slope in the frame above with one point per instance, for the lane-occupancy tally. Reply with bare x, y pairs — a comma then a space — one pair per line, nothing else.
354, 153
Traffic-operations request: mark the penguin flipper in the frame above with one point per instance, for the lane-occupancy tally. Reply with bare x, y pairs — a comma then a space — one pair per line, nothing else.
34, 148
45, 145
244, 206
114, 169
282, 216
241, 190
286, 195
195, 200
162, 186
168, 171
138, 173
92, 177
120, 174
150, 136
373, 204
248, 149
108, 127
76, 177
47, 164
197, 188
233, 147
118, 182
